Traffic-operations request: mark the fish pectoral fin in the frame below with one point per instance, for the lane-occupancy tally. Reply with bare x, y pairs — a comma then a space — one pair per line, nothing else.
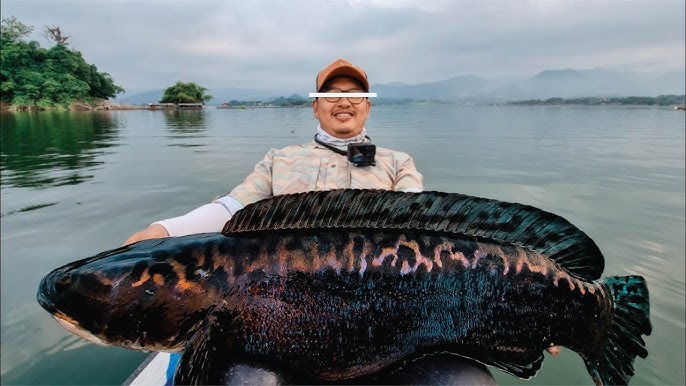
206, 358
213, 356
523, 367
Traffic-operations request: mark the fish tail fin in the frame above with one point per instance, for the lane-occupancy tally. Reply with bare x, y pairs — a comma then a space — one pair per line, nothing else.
613, 363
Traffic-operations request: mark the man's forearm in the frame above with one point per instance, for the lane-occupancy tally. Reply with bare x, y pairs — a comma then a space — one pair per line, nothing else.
207, 218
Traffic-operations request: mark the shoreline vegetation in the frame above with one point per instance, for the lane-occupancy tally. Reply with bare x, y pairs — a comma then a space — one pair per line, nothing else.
678, 102
661, 100
74, 106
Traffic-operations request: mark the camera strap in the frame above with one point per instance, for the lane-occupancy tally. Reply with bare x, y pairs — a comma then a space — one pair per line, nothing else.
332, 148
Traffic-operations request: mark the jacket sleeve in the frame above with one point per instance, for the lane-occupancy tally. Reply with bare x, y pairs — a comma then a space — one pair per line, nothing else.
258, 184
407, 178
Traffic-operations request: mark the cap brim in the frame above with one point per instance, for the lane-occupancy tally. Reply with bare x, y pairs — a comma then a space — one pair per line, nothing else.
348, 72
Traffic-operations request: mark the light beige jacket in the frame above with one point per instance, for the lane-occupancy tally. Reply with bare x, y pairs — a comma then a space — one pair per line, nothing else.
308, 167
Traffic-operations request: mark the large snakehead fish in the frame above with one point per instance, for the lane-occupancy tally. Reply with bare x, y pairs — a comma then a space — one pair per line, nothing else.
345, 283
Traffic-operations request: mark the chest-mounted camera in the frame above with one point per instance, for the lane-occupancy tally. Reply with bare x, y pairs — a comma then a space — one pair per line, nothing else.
358, 154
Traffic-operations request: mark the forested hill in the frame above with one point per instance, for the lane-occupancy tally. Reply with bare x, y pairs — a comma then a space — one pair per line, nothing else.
34, 77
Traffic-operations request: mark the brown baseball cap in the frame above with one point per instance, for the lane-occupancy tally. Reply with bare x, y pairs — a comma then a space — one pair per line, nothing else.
342, 67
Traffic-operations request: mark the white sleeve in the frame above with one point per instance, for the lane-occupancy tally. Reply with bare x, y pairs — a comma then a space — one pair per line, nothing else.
207, 218
411, 190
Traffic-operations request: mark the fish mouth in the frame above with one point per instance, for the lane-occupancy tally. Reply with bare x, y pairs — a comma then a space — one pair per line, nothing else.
73, 326
45, 297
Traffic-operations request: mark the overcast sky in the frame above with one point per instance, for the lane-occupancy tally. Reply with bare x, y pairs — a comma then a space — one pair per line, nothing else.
283, 44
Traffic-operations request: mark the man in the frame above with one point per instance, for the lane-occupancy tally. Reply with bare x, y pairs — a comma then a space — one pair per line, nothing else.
319, 165
311, 166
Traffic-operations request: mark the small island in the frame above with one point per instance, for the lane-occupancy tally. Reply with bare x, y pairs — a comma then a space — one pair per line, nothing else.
56, 78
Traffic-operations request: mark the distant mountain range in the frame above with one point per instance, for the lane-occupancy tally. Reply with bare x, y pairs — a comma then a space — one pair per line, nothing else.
565, 83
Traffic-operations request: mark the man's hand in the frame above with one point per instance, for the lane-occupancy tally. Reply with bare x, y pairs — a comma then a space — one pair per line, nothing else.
554, 350
154, 231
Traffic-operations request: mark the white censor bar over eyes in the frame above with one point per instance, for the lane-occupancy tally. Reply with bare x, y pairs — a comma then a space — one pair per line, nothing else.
342, 94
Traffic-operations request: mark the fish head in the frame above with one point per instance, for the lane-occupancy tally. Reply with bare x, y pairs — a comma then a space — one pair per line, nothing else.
135, 296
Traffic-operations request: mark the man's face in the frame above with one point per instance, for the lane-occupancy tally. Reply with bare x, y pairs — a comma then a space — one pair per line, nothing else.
342, 119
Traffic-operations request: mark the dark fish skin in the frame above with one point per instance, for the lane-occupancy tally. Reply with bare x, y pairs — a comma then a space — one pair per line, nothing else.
338, 303
309, 302
124, 295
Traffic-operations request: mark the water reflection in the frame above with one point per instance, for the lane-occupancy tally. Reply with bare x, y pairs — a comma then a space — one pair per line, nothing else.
46, 149
185, 126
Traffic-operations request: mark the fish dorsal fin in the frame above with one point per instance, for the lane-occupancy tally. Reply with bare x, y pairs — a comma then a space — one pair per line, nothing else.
452, 213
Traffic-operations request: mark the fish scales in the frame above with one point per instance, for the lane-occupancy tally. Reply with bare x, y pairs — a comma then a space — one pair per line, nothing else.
334, 301
339, 308
441, 289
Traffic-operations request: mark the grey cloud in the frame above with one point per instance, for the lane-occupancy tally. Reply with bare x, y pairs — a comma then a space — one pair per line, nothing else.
282, 44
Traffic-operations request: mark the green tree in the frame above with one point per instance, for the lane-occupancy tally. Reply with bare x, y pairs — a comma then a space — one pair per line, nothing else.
13, 30
54, 77
185, 93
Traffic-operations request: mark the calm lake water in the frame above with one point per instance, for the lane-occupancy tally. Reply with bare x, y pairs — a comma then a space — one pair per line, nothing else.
75, 184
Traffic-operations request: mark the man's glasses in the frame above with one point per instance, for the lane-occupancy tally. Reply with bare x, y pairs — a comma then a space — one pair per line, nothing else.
334, 95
